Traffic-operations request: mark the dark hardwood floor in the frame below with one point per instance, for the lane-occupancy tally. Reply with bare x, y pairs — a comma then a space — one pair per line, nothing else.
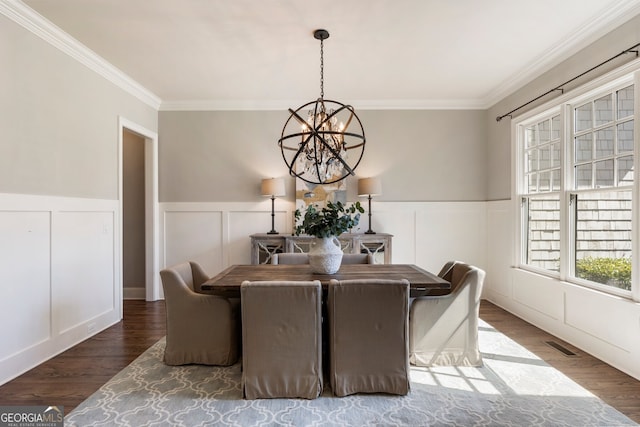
72, 376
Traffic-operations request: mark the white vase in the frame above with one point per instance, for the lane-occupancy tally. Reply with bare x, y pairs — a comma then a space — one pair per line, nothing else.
325, 255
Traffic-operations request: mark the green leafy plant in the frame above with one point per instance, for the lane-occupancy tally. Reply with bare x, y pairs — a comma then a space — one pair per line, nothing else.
612, 271
332, 220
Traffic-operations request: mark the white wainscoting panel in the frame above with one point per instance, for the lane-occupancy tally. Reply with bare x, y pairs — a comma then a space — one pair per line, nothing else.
400, 223
25, 297
451, 231
60, 274
216, 235
500, 240
603, 325
194, 235
425, 233
601, 315
83, 279
242, 224
539, 293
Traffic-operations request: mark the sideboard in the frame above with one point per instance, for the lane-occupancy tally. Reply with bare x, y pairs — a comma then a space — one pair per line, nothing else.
263, 246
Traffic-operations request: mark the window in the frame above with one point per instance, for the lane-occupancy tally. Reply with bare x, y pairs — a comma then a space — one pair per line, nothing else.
542, 168
576, 178
603, 175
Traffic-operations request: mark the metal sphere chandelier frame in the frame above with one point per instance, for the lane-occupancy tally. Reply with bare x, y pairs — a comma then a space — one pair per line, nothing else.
320, 148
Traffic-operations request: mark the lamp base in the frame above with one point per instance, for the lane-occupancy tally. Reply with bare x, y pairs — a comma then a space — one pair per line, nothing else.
273, 217
369, 231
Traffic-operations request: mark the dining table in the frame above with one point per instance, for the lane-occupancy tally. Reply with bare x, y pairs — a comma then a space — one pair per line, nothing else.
227, 283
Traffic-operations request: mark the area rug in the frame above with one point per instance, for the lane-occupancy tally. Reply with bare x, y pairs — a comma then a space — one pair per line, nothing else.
513, 388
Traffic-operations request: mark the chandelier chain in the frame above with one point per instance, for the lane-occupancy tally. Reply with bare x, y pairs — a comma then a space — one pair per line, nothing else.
321, 69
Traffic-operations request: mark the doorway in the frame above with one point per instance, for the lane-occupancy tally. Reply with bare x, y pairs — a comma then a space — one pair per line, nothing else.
139, 228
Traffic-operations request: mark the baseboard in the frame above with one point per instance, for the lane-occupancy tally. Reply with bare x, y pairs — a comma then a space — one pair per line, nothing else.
134, 293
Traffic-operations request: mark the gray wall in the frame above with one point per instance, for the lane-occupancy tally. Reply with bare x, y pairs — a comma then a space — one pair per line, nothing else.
221, 156
58, 121
58, 133
60, 257
133, 211
499, 133
424, 155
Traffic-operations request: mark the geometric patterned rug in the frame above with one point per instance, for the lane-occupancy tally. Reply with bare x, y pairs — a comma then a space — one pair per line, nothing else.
513, 388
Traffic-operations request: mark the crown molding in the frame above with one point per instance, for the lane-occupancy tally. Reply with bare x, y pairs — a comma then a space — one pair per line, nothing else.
283, 105
603, 23
579, 39
420, 104
35, 23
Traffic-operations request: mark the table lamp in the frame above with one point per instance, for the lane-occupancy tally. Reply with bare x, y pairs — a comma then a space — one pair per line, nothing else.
272, 187
369, 187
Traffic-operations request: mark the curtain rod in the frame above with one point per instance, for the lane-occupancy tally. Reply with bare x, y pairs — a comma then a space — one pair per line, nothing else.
560, 87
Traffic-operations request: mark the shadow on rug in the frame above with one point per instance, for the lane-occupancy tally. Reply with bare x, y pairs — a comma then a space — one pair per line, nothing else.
513, 388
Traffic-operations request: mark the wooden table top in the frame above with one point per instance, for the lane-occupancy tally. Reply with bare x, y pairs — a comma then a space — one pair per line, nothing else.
228, 281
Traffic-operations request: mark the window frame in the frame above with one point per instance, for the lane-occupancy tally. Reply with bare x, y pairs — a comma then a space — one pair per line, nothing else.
624, 76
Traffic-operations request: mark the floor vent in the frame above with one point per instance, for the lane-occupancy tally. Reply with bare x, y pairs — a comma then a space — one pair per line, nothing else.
561, 348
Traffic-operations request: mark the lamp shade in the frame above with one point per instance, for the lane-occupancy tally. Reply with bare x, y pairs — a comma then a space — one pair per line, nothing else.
272, 187
369, 187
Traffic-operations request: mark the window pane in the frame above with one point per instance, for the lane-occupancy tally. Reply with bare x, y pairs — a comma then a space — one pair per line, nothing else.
603, 108
530, 139
604, 173
603, 238
625, 102
543, 232
555, 154
545, 157
532, 183
604, 143
625, 137
583, 176
583, 117
583, 147
555, 180
625, 170
544, 131
555, 128
532, 160
544, 182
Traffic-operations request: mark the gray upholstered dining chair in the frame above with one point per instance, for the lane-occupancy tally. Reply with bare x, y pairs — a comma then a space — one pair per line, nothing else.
368, 336
358, 259
281, 339
443, 329
290, 258
201, 329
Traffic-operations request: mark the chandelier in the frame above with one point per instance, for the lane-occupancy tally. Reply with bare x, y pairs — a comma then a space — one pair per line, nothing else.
323, 141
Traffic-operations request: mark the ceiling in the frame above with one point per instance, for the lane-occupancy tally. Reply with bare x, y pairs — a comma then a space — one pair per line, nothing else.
248, 54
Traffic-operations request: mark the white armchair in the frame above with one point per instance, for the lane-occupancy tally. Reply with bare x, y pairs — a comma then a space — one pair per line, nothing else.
443, 329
